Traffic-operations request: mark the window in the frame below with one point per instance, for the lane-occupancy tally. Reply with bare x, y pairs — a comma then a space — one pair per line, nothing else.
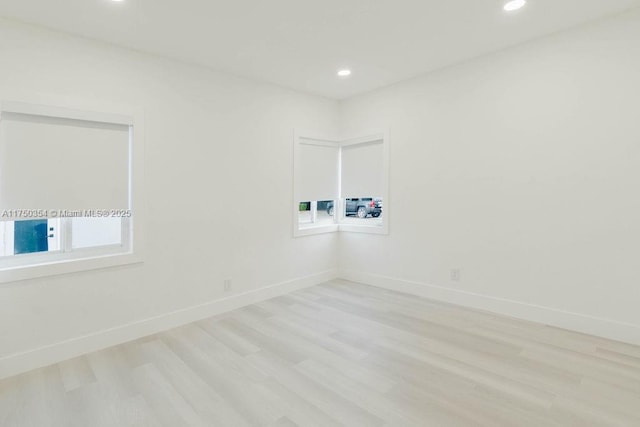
353, 173
325, 212
316, 185
363, 179
98, 232
316, 214
304, 213
66, 190
29, 236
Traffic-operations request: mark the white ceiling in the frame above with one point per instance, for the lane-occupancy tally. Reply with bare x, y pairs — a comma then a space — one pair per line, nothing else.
301, 43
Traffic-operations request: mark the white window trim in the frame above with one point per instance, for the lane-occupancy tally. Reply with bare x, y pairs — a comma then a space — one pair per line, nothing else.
31, 266
341, 225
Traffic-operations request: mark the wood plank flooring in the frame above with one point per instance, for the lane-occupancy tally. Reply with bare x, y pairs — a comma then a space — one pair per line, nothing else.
339, 354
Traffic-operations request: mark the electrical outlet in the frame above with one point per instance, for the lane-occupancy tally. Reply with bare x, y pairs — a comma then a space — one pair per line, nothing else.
455, 275
227, 285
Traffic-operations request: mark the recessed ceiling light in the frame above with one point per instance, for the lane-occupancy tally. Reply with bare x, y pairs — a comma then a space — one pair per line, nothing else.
344, 73
514, 5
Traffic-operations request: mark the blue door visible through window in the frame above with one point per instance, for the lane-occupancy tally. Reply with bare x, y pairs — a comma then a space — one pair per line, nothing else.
30, 236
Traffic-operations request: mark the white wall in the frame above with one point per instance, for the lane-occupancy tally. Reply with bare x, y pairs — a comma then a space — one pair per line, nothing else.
218, 186
520, 168
523, 170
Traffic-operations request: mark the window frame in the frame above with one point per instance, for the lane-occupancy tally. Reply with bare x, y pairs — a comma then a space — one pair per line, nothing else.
341, 223
36, 265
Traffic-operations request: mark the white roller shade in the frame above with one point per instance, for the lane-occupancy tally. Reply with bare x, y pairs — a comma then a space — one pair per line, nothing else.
55, 163
363, 170
316, 171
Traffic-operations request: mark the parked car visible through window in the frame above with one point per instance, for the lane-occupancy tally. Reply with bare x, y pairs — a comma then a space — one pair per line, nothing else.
360, 207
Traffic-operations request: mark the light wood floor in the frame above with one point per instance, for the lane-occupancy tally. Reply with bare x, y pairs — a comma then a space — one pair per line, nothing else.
339, 354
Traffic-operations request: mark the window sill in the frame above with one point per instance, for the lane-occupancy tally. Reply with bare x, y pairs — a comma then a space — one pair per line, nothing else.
367, 229
73, 265
311, 230
315, 229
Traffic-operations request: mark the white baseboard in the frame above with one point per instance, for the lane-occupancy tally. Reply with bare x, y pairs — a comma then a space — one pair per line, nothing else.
17, 363
605, 328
